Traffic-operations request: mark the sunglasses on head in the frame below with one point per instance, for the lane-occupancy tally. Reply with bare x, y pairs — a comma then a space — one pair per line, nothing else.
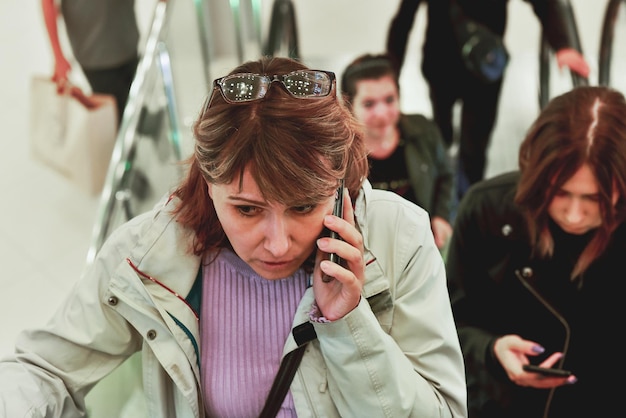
248, 87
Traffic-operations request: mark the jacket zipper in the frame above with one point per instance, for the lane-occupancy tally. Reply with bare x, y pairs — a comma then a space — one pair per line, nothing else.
527, 272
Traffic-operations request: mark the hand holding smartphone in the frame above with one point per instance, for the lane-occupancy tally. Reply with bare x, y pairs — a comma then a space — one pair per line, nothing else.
337, 211
545, 371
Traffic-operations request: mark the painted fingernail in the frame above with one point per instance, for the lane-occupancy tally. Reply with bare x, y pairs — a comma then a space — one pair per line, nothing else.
571, 380
538, 349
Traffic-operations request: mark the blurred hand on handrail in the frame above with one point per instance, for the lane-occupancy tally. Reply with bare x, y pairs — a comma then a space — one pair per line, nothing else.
571, 58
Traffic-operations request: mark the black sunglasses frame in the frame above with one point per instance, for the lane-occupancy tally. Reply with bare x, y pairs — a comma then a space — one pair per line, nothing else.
218, 84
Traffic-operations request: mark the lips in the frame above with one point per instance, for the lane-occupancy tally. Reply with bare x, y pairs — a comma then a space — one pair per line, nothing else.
276, 263
276, 269
574, 230
275, 266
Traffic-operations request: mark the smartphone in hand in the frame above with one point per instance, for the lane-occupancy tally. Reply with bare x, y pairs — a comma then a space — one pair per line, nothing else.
547, 371
337, 211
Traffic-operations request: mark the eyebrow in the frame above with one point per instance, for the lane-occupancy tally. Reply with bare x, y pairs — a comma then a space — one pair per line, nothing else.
240, 199
562, 190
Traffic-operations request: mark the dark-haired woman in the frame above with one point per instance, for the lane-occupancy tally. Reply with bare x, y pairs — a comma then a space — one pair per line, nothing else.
536, 267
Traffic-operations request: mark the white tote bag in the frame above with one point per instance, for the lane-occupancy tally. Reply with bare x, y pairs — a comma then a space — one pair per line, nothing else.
73, 133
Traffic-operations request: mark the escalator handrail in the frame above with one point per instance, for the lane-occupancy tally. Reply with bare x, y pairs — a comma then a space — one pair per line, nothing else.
606, 42
170, 94
566, 9
206, 47
283, 23
127, 132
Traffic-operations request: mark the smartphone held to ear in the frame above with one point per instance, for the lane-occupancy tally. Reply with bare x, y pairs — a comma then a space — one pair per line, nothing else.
337, 211
547, 371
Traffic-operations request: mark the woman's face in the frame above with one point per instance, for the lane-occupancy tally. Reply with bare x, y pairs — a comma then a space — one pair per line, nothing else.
273, 239
575, 206
376, 104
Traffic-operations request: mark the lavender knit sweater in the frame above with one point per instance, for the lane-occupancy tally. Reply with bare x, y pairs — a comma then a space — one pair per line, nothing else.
245, 320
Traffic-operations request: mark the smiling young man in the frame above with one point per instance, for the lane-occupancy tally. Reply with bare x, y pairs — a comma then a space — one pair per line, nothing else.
535, 266
406, 152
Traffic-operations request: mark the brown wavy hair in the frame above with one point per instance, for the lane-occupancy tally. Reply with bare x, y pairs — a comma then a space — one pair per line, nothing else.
586, 125
296, 149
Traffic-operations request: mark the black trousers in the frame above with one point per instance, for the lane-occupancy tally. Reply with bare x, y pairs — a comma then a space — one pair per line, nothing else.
479, 107
115, 81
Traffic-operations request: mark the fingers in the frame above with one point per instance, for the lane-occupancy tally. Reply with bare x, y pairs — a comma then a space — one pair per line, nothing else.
541, 380
442, 231
337, 297
513, 352
349, 247
551, 360
62, 70
574, 60
61, 84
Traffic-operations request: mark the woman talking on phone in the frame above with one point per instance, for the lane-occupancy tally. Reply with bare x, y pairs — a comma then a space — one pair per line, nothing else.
230, 274
536, 268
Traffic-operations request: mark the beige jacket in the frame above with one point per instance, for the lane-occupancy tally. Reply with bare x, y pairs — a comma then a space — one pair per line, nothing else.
396, 355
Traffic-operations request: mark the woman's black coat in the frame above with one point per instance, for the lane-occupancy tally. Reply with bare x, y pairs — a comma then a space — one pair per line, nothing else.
497, 288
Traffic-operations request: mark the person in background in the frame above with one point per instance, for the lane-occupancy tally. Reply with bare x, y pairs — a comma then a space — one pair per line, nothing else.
535, 263
104, 39
406, 152
449, 80
210, 284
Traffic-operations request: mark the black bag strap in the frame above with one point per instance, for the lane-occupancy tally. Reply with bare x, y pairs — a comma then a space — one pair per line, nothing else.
302, 334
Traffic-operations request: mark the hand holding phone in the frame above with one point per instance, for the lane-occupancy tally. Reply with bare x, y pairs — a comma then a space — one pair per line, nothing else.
337, 211
546, 371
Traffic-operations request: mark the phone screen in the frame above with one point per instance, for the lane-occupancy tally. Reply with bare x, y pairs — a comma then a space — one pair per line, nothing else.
547, 371
337, 211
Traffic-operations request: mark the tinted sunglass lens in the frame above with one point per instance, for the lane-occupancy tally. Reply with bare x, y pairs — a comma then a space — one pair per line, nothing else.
308, 83
244, 88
